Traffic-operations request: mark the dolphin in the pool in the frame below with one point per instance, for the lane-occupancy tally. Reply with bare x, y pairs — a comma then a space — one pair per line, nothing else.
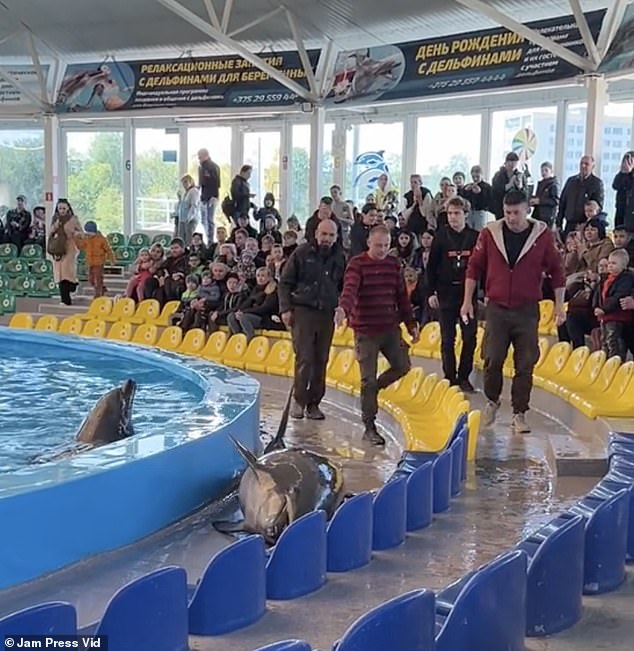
282, 485
111, 418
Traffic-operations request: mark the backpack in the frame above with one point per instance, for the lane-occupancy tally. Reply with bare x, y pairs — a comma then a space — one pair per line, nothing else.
228, 206
56, 245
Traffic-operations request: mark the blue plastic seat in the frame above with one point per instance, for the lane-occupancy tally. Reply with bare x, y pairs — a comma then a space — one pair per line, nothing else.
555, 576
231, 593
486, 610
349, 534
610, 485
148, 614
389, 524
420, 497
457, 454
52, 618
405, 623
464, 435
297, 565
287, 645
442, 481
606, 542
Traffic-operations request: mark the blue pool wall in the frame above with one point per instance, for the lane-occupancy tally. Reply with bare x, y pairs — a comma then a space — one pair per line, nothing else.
64, 511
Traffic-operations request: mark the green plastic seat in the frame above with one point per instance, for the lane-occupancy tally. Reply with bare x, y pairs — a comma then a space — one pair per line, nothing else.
16, 267
42, 268
32, 252
116, 240
7, 302
22, 285
139, 241
124, 255
82, 272
8, 251
163, 239
43, 288
4, 282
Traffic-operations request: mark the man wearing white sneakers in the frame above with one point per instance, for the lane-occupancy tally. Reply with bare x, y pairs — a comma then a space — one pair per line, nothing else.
511, 256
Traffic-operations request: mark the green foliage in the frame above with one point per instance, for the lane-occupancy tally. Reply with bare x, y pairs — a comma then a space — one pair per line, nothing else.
22, 171
457, 163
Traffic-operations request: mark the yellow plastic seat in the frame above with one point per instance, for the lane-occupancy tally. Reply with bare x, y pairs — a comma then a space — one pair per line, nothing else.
193, 342
617, 400
544, 346
22, 321
473, 427
340, 367
71, 325
508, 369
233, 354
281, 359
122, 310
47, 323
351, 382
571, 369
589, 373
214, 346
170, 338
429, 340
166, 314
554, 362
546, 316
409, 385
343, 336
256, 353
94, 328
145, 335
478, 360
99, 309
599, 386
414, 401
148, 311
120, 331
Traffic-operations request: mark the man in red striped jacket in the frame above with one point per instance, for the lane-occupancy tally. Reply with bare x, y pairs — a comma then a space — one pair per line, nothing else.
375, 302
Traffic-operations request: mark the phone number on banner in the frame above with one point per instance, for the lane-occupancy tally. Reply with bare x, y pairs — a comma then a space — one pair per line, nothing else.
263, 98
468, 81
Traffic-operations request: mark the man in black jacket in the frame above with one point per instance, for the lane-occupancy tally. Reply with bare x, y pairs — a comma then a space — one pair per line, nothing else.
309, 293
361, 229
446, 272
624, 184
209, 184
578, 190
546, 197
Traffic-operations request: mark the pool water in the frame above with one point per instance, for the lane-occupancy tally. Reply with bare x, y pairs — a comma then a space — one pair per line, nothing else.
44, 399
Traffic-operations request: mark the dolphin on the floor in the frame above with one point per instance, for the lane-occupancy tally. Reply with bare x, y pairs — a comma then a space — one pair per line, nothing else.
283, 485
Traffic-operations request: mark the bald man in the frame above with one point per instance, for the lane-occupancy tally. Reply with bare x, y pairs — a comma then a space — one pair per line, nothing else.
308, 292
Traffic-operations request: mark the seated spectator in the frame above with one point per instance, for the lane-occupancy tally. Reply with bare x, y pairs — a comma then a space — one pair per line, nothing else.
360, 230
270, 229
421, 255
244, 224
188, 296
98, 252
227, 255
276, 262
289, 242
196, 264
323, 212
292, 224
593, 246
18, 224
236, 293
208, 299
613, 319
459, 179
622, 240
416, 287
37, 234
239, 237
268, 210
246, 268
266, 246
405, 249
260, 309
251, 245
142, 270
447, 191
199, 248
168, 281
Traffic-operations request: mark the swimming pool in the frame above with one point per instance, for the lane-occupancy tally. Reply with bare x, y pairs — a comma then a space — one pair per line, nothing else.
180, 457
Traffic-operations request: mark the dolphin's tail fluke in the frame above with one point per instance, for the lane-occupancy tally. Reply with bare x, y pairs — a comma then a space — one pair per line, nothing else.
277, 442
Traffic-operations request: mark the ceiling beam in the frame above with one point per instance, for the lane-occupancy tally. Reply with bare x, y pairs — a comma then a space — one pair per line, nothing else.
530, 34
325, 65
611, 23
258, 21
226, 15
211, 12
39, 71
303, 55
238, 48
7, 37
584, 30
18, 85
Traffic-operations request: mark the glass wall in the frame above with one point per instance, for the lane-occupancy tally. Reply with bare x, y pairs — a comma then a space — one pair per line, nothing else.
156, 179
329, 164
299, 204
21, 167
575, 140
94, 177
262, 152
530, 133
371, 150
446, 144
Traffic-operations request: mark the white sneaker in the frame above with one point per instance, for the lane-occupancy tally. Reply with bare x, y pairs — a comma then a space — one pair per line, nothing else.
519, 424
489, 413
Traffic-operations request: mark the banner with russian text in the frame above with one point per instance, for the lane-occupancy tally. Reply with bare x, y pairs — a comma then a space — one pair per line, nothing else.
27, 78
475, 61
219, 81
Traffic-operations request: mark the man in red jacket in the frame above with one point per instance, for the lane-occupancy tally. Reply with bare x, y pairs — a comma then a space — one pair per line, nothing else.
375, 302
511, 256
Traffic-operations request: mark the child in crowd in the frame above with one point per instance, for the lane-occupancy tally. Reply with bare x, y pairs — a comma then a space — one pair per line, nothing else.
197, 247
266, 244
227, 255
141, 271
235, 294
197, 265
268, 211
98, 252
289, 242
613, 320
270, 229
276, 262
187, 298
624, 240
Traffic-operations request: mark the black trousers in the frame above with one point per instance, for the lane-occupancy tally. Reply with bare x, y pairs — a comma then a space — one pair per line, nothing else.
447, 318
312, 335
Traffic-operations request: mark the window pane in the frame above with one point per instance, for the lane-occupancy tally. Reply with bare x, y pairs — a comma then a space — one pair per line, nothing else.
509, 133
156, 179
617, 139
329, 164
21, 167
300, 172
372, 150
575, 141
94, 181
446, 144
262, 152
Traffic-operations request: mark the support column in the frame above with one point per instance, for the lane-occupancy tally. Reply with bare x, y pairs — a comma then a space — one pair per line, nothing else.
129, 203
51, 166
338, 150
485, 144
560, 138
237, 149
597, 100
286, 160
317, 127
410, 143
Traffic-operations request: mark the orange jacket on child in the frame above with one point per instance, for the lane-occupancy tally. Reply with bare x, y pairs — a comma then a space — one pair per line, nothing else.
98, 250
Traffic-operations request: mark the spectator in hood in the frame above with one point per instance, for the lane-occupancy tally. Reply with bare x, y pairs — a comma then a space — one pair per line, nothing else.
623, 184
546, 198
268, 210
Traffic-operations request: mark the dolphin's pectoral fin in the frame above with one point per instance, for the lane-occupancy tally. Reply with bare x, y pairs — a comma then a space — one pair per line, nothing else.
228, 527
247, 455
291, 511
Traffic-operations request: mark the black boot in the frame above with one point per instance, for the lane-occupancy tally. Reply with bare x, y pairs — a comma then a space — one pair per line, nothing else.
371, 435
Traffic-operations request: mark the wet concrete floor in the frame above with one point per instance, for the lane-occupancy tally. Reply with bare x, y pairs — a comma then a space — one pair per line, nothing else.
510, 491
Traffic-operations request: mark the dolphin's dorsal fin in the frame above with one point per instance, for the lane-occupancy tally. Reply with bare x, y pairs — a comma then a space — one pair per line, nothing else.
246, 454
277, 443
